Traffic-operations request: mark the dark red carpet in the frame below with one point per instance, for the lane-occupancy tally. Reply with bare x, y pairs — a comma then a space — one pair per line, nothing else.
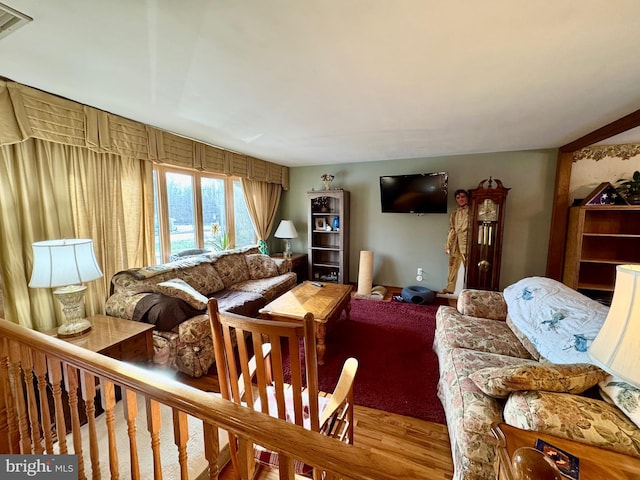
393, 342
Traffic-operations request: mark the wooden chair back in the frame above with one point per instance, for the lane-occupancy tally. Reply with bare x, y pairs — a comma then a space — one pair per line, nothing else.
260, 365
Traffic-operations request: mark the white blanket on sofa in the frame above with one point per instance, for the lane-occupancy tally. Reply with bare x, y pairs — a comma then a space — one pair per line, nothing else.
560, 322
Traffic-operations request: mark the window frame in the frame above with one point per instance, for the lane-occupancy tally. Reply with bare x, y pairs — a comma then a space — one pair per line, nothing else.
160, 174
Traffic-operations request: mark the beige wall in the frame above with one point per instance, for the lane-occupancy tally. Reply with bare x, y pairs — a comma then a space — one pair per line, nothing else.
403, 242
588, 173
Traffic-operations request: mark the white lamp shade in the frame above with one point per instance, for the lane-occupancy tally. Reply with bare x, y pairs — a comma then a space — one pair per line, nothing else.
59, 263
286, 229
616, 348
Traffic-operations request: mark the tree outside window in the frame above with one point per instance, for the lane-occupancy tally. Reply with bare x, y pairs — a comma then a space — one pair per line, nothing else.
198, 210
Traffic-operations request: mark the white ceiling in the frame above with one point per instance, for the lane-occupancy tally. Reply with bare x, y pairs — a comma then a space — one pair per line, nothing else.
310, 82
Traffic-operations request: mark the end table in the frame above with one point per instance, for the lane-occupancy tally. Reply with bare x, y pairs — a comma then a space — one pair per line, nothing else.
117, 338
594, 463
298, 264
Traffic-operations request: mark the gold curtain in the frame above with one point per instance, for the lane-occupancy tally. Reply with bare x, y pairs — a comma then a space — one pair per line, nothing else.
262, 202
71, 171
29, 113
59, 191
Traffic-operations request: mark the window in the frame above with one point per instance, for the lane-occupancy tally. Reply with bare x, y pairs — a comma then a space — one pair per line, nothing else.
244, 232
198, 210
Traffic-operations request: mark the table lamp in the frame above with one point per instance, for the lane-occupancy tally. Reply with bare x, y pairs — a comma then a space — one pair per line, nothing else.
66, 264
616, 348
286, 230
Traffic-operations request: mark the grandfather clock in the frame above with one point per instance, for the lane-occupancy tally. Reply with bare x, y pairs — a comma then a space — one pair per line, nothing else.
486, 225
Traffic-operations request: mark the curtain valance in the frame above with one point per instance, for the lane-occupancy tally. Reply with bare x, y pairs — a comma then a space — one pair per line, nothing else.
26, 112
598, 152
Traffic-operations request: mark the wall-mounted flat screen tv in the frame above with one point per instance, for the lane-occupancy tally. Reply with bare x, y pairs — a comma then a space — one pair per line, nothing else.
416, 193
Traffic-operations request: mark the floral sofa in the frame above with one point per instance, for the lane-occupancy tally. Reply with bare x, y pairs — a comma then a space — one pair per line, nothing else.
520, 356
173, 296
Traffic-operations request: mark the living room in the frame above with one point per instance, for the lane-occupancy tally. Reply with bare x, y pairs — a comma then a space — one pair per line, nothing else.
530, 166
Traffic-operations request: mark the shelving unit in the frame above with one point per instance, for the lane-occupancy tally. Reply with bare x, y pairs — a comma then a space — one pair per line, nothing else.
600, 238
328, 247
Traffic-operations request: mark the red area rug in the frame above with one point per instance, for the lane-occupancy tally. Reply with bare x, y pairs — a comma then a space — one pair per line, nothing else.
393, 342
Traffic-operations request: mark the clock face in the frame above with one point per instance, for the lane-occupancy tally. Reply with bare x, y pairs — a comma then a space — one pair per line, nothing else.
488, 211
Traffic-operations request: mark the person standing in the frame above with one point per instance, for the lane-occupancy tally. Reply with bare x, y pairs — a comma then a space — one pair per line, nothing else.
456, 245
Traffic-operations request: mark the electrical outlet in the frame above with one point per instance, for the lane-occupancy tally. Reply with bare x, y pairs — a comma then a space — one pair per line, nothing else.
419, 273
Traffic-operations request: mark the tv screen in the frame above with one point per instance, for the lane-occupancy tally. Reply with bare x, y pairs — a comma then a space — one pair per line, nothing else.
417, 193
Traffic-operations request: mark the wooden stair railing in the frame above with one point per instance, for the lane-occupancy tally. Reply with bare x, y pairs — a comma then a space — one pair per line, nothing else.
41, 412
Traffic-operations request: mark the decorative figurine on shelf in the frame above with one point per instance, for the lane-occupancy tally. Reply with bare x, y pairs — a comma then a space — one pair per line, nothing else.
336, 223
320, 204
327, 178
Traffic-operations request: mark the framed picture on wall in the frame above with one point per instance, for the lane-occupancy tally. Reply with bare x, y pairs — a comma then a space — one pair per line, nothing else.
320, 223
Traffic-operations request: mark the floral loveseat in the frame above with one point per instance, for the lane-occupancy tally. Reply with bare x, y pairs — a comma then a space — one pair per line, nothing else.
173, 296
521, 357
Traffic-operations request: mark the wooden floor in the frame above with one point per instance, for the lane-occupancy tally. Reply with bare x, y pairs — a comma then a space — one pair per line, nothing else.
422, 442
402, 437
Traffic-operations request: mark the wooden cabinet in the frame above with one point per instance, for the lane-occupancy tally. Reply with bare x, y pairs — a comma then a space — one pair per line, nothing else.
299, 264
594, 462
600, 238
117, 338
328, 235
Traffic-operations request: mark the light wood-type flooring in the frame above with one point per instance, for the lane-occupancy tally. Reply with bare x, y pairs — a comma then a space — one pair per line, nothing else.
402, 437
423, 442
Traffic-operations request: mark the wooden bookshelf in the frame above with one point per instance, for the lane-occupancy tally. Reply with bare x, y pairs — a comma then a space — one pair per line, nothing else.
599, 238
328, 245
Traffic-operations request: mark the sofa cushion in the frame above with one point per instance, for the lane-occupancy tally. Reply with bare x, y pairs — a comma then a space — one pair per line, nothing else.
232, 268
241, 303
269, 288
203, 277
178, 288
195, 329
163, 268
261, 266
583, 419
560, 322
470, 412
501, 381
195, 359
624, 396
122, 305
482, 303
492, 336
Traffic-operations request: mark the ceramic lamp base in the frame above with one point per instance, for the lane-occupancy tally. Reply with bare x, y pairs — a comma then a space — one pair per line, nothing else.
287, 249
74, 329
71, 298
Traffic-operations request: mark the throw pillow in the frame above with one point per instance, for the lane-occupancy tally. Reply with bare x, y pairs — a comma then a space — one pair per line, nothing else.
583, 419
178, 288
623, 395
501, 381
261, 266
560, 322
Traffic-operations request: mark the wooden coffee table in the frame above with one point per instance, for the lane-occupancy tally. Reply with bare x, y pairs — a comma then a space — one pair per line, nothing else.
326, 303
